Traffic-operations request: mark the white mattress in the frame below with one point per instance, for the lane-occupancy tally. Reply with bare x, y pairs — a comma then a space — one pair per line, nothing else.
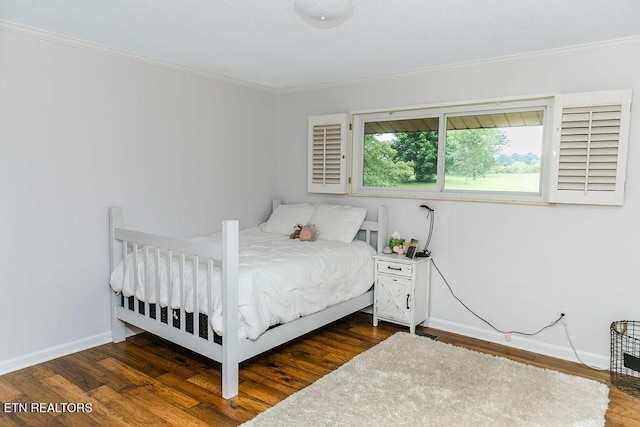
280, 279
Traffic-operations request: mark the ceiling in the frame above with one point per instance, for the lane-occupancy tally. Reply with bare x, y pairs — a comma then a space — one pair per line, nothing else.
265, 43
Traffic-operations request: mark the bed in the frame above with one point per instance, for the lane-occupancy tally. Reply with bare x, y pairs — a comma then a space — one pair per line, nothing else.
255, 285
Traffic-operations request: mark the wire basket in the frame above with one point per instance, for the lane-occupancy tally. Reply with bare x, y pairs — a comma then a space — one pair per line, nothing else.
625, 356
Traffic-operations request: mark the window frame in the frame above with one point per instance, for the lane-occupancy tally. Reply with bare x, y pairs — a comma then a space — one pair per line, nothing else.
442, 111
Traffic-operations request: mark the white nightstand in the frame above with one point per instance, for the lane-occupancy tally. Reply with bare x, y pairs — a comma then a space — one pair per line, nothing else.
401, 292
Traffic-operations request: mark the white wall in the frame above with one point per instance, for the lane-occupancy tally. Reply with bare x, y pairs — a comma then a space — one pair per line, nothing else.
518, 266
81, 131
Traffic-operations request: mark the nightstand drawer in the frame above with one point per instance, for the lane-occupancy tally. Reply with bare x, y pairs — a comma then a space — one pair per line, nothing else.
396, 268
397, 282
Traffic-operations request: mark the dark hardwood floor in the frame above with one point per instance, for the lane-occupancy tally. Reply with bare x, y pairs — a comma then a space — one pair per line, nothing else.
148, 381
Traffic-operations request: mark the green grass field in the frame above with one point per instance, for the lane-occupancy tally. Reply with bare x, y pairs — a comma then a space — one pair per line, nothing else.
512, 182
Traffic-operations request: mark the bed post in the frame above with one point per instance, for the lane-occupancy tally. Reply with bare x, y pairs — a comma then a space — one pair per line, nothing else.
118, 327
230, 323
382, 228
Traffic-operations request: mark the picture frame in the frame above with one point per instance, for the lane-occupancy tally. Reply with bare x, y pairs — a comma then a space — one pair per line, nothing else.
412, 248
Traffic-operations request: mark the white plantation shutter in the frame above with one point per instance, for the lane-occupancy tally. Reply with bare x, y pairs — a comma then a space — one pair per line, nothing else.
327, 154
591, 136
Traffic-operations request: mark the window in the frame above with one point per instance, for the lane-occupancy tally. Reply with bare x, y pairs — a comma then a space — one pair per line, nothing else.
569, 148
484, 151
499, 152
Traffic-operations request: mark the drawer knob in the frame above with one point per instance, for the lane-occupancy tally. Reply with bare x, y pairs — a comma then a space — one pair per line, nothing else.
394, 268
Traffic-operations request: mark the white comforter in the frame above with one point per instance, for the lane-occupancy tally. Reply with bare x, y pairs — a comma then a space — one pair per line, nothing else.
280, 279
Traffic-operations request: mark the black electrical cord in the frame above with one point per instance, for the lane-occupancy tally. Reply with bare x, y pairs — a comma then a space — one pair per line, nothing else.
486, 321
566, 330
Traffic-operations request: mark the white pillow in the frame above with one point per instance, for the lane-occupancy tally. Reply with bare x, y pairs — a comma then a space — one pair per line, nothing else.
339, 223
285, 217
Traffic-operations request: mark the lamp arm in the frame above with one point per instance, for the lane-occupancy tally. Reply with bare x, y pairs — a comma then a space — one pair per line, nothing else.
431, 219
430, 215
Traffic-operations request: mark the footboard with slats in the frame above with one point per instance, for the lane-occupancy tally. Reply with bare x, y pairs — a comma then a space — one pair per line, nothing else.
128, 246
148, 316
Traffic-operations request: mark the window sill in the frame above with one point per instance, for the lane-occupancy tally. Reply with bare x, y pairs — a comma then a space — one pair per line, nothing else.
502, 198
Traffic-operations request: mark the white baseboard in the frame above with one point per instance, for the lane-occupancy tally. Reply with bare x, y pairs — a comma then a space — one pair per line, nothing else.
522, 343
45, 355
132, 330
368, 310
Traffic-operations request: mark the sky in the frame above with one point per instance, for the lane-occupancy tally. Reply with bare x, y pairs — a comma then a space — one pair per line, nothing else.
525, 139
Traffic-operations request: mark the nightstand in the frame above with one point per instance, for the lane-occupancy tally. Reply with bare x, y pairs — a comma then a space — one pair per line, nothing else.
401, 291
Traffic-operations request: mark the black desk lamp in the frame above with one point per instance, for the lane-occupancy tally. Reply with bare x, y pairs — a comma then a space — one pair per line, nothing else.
430, 214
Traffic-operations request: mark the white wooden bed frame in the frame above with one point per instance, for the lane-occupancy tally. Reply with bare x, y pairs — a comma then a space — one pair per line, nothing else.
231, 352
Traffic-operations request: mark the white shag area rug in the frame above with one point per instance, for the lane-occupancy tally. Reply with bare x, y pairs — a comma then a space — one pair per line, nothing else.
409, 380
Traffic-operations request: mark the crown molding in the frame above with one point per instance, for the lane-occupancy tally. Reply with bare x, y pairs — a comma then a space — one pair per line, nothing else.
98, 48
105, 50
563, 51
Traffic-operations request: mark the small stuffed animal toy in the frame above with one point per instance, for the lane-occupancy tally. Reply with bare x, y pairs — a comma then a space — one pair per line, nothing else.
308, 233
296, 231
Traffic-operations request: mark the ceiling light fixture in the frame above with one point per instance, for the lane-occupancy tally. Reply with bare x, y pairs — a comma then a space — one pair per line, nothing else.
324, 13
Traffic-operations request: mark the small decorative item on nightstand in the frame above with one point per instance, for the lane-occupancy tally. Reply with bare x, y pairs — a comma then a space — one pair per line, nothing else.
396, 243
412, 248
401, 290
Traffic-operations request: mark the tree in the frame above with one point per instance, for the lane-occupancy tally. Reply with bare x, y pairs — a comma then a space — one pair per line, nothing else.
420, 148
527, 158
518, 163
472, 152
381, 168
